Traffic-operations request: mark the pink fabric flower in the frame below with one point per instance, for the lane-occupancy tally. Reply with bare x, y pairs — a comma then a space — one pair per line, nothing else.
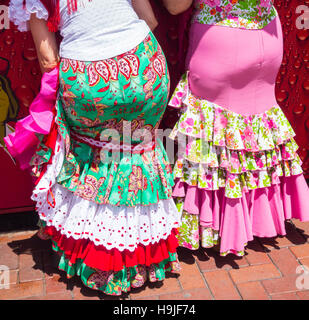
220, 122
212, 3
259, 163
228, 7
187, 245
248, 134
285, 154
252, 181
175, 102
265, 3
188, 148
271, 124
249, 138
234, 161
223, 121
196, 236
189, 130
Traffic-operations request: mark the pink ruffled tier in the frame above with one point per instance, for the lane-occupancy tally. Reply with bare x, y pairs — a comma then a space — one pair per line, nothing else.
261, 212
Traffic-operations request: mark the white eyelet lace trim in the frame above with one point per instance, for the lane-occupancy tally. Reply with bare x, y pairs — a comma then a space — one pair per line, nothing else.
121, 227
20, 16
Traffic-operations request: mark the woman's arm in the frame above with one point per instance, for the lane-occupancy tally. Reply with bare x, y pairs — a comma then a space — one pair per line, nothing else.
144, 11
177, 6
45, 43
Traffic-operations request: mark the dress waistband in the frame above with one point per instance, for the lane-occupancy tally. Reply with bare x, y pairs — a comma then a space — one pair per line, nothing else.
133, 147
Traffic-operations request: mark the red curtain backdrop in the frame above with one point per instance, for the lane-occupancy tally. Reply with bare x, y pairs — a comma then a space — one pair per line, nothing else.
20, 81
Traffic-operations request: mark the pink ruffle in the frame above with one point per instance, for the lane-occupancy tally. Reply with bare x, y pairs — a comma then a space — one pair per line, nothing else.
23, 142
261, 212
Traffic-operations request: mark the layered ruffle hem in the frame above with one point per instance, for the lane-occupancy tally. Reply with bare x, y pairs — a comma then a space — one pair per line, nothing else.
236, 176
113, 223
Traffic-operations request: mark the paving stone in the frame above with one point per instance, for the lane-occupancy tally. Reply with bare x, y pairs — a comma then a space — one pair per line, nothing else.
169, 285
215, 261
281, 285
305, 262
285, 296
8, 258
301, 251
303, 295
66, 295
284, 260
190, 276
255, 273
145, 298
256, 253
193, 294
57, 283
302, 228
14, 274
221, 285
252, 291
22, 290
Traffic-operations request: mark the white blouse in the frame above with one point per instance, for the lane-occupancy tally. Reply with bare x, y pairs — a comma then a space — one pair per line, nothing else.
100, 29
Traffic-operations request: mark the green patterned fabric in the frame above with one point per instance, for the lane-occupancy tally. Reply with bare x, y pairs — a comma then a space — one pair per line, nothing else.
128, 92
104, 112
115, 283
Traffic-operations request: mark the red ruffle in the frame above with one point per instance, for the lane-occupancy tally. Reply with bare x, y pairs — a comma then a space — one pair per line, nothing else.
98, 257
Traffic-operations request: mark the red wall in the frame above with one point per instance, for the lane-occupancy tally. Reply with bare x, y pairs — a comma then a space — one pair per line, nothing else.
18, 64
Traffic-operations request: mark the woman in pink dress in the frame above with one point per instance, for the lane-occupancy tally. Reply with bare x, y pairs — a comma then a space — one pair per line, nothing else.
238, 174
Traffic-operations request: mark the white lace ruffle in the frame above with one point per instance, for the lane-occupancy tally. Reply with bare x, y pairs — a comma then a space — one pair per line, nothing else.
107, 225
20, 16
113, 227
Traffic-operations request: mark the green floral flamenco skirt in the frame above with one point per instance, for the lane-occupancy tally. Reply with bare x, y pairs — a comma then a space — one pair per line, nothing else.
104, 184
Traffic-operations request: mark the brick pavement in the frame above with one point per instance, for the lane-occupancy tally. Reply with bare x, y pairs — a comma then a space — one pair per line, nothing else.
267, 272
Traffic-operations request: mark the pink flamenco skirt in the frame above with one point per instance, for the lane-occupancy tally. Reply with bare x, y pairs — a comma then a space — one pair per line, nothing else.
237, 174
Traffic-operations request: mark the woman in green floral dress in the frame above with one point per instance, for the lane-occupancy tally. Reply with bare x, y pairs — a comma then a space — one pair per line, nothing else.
104, 182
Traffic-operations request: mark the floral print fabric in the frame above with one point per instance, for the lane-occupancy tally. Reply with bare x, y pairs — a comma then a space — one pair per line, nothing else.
190, 232
193, 236
119, 101
128, 92
222, 149
246, 14
116, 283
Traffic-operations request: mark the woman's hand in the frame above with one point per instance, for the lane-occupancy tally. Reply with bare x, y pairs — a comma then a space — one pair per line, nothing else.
45, 43
144, 11
175, 7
